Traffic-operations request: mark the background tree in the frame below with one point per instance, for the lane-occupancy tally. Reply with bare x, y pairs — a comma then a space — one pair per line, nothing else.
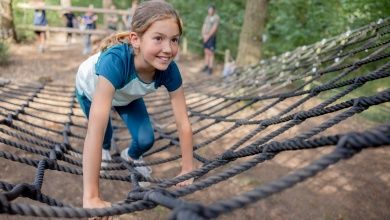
249, 47
106, 4
6, 19
66, 3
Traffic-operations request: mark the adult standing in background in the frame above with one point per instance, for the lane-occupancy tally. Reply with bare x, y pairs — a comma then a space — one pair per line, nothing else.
209, 33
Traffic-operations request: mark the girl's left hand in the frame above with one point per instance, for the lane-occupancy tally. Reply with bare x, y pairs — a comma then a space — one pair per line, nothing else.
185, 182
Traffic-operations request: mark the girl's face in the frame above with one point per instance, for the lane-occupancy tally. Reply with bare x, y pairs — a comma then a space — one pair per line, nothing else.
159, 45
210, 11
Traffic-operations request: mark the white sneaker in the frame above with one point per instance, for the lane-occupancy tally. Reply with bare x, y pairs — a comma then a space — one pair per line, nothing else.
105, 156
144, 170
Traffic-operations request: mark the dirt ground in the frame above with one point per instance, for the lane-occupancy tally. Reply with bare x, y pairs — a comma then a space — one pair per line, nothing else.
358, 188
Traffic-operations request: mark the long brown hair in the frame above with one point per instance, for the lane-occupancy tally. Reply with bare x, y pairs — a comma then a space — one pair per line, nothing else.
144, 16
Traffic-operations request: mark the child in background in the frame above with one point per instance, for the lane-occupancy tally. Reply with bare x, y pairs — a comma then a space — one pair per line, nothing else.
70, 21
40, 20
119, 76
112, 21
89, 23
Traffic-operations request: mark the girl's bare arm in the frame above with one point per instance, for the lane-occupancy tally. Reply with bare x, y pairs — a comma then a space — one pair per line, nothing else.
185, 132
92, 153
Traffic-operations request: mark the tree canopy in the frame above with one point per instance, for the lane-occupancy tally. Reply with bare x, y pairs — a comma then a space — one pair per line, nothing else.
294, 23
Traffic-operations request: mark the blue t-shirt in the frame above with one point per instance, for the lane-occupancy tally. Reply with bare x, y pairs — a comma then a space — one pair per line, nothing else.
89, 22
116, 64
40, 17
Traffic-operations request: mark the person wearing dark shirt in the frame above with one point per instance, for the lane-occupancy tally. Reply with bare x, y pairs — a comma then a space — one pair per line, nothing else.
112, 21
70, 20
209, 33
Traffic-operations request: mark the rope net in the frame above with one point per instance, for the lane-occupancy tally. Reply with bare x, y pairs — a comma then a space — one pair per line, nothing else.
300, 105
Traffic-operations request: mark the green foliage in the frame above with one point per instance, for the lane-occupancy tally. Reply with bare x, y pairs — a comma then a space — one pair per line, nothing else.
20, 18
120, 4
300, 22
3, 53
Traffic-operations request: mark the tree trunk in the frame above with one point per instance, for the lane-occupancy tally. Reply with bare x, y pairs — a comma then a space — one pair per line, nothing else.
7, 27
249, 48
106, 4
66, 3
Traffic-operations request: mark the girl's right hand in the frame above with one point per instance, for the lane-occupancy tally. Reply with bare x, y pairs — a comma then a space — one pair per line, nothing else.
97, 203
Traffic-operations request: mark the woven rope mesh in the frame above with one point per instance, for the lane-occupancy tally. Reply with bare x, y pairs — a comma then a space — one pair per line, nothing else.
295, 115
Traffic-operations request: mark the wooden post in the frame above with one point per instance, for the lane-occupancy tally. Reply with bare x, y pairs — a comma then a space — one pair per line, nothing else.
185, 46
66, 3
227, 56
106, 5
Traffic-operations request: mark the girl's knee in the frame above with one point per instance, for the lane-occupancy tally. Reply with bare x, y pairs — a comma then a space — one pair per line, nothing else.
145, 142
140, 146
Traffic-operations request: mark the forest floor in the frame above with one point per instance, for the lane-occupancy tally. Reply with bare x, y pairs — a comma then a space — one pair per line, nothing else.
357, 188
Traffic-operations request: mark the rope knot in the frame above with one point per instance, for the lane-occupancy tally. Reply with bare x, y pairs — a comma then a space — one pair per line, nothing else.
23, 190
159, 196
348, 145
357, 64
315, 91
241, 121
359, 81
64, 147
159, 191
8, 121
135, 195
300, 116
228, 155
361, 103
50, 163
283, 96
266, 148
219, 118
59, 152
52, 155
267, 151
265, 122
